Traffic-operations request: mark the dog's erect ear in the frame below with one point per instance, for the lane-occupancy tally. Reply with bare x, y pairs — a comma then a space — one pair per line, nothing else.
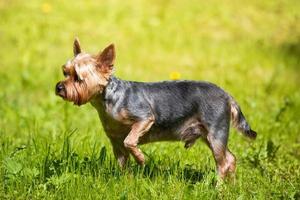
106, 58
76, 47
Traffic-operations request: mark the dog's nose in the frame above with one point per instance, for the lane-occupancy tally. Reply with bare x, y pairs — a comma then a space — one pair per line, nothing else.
59, 88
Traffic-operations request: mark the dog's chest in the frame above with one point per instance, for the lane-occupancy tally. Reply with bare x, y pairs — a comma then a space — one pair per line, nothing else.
114, 128
114, 124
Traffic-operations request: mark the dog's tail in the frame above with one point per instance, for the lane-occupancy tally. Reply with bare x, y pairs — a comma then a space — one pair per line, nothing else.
239, 122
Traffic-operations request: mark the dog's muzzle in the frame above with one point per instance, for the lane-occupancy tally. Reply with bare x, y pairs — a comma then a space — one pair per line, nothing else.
60, 90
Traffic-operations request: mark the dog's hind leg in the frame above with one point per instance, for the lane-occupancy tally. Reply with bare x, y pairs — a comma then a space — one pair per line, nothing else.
218, 148
217, 138
192, 133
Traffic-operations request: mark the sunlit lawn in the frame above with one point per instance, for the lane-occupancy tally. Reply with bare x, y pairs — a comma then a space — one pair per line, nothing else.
52, 149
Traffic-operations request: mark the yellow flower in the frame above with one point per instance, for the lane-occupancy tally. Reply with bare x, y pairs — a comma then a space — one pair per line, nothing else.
175, 75
46, 8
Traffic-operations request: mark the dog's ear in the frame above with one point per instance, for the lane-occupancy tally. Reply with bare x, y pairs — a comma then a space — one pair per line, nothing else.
76, 47
106, 59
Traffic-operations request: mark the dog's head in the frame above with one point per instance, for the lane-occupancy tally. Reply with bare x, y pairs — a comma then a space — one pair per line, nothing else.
85, 75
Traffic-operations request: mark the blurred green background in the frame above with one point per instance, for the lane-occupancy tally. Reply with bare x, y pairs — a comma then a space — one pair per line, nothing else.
249, 48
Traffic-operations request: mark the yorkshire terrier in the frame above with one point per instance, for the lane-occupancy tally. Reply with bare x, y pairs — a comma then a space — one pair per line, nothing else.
134, 113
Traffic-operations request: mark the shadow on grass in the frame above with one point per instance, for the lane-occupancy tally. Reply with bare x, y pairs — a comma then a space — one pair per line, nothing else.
184, 173
104, 166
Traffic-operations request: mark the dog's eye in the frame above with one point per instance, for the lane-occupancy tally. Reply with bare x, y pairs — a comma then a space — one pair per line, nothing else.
65, 73
76, 78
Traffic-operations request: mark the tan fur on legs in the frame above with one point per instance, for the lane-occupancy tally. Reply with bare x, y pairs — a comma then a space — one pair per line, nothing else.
218, 151
138, 129
231, 161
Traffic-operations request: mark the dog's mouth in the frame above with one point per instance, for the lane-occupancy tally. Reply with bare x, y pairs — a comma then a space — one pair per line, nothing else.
61, 94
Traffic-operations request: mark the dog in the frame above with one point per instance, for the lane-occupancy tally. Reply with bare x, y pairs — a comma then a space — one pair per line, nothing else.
134, 113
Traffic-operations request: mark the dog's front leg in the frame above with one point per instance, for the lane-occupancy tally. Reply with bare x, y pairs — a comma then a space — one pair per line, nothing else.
120, 152
138, 129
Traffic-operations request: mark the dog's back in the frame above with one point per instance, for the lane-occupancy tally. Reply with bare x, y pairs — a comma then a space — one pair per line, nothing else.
174, 101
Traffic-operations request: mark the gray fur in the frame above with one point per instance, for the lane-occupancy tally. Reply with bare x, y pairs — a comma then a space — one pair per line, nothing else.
172, 103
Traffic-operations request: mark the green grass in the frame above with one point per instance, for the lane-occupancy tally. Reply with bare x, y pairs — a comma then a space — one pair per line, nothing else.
51, 149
